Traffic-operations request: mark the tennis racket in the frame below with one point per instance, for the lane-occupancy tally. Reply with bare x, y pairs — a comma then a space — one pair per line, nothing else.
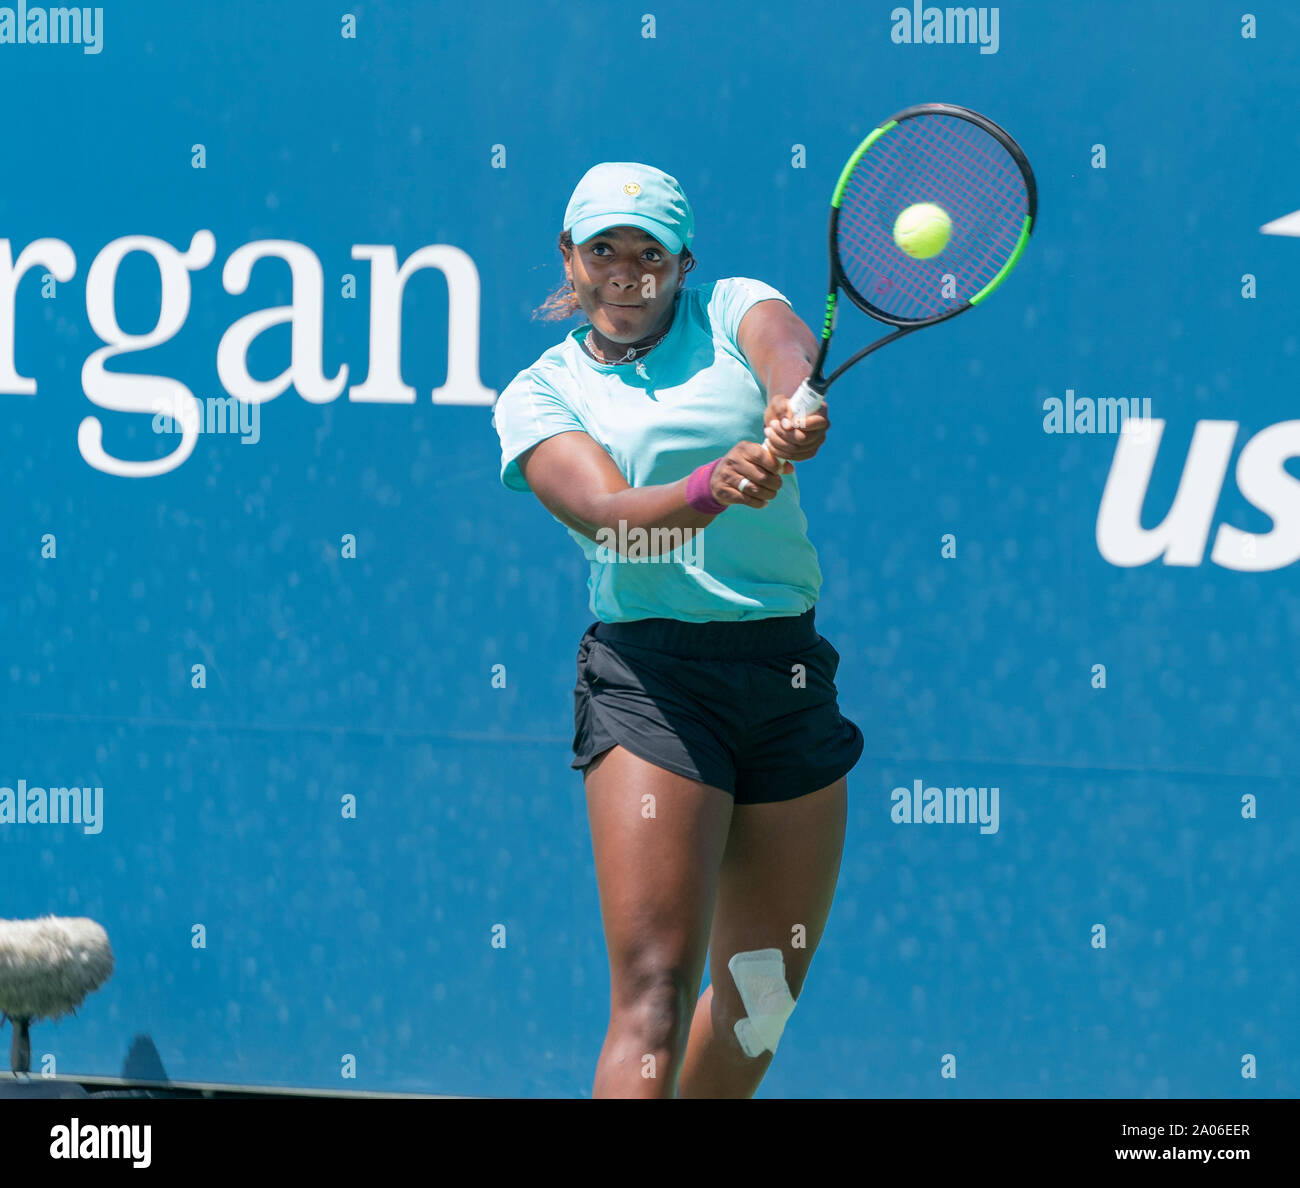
934, 153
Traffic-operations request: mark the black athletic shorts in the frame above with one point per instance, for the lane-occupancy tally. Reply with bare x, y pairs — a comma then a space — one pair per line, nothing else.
749, 706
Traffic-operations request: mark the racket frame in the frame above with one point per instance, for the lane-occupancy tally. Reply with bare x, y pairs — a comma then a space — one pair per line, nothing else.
816, 383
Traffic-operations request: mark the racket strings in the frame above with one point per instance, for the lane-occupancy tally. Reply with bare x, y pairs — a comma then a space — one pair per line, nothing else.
955, 164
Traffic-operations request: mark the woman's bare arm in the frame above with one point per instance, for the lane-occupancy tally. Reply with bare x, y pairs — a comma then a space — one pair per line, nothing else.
781, 351
579, 484
779, 346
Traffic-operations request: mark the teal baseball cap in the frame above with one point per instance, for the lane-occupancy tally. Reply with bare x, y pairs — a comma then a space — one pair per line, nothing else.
624, 193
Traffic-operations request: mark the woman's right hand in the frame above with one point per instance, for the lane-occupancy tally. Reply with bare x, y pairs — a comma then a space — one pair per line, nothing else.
748, 460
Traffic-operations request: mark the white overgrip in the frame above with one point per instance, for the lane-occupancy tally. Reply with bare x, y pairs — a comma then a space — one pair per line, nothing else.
803, 402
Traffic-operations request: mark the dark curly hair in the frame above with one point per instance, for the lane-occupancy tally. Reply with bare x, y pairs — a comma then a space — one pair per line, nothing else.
563, 303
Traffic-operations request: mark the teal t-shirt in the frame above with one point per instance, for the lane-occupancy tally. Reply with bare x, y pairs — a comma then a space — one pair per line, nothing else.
684, 403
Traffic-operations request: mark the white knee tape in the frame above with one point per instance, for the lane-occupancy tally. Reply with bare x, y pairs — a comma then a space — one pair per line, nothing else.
760, 978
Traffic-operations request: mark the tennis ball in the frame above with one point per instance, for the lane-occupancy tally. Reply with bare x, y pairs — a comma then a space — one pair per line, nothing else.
922, 230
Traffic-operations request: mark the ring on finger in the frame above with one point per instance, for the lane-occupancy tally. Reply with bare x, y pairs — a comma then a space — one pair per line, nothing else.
744, 482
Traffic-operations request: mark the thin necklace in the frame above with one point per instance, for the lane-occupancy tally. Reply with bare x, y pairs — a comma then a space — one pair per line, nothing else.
632, 353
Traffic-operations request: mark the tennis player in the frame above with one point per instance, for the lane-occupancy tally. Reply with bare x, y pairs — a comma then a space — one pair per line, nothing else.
707, 728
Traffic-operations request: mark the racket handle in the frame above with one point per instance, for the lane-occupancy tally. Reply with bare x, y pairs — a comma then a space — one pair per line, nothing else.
805, 400
771, 455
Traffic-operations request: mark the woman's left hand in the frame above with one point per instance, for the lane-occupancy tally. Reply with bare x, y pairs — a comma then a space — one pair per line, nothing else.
787, 437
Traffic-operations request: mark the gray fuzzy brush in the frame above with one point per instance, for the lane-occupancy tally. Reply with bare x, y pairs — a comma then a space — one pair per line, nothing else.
47, 966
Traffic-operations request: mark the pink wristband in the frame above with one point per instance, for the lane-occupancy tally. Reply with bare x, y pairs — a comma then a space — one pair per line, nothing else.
698, 494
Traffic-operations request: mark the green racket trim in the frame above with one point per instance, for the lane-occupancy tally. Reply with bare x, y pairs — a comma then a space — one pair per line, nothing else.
829, 321
857, 156
1008, 266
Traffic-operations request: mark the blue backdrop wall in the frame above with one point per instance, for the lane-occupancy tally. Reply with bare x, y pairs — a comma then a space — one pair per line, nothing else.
1154, 795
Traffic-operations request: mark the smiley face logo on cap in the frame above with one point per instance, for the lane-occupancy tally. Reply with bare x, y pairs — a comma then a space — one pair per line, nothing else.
631, 189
